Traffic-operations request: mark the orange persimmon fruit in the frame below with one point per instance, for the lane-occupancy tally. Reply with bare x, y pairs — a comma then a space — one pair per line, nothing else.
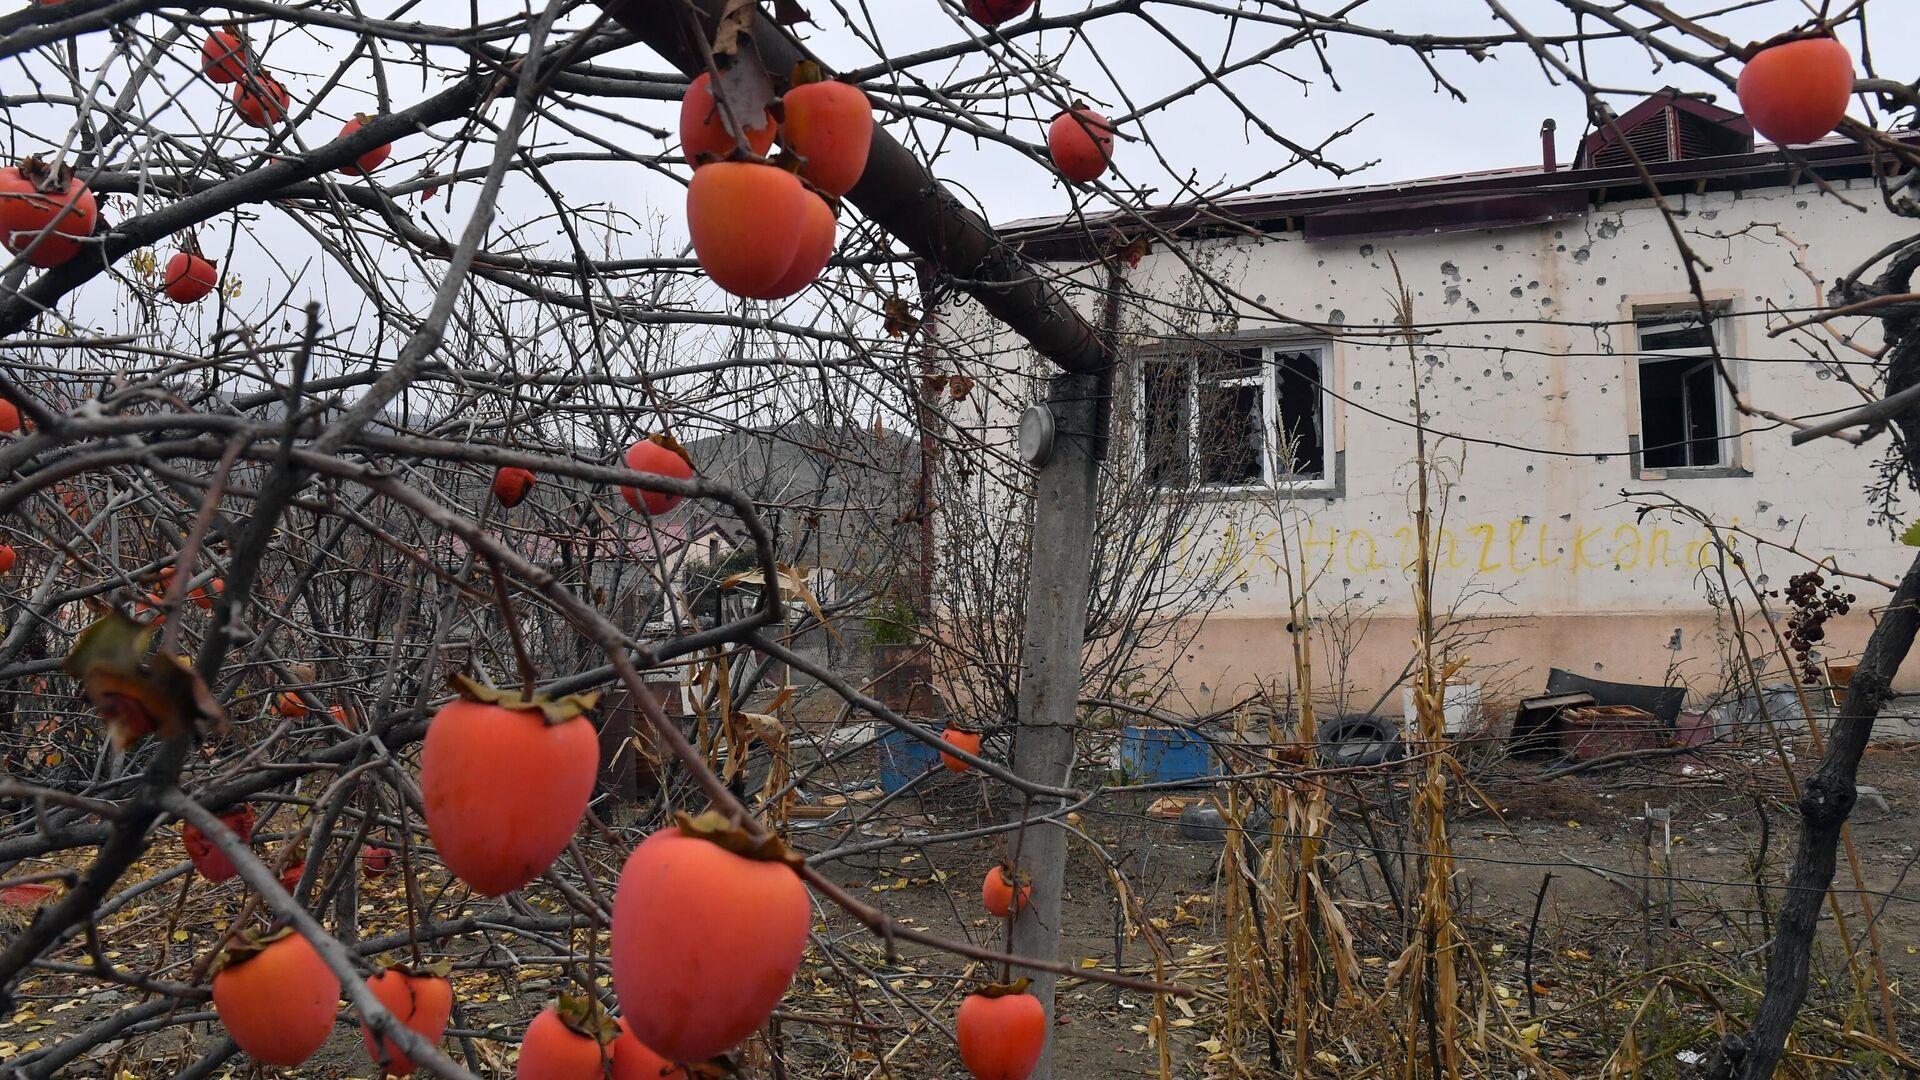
997, 892
1798, 91
746, 222
829, 127
1080, 142
703, 132
1001, 1030
965, 740
276, 998
505, 781
662, 456
708, 929
421, 1002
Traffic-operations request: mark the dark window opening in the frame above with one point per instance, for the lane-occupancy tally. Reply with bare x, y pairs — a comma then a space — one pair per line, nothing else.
1233, 418
1302, 453
1167, 433
1680, 425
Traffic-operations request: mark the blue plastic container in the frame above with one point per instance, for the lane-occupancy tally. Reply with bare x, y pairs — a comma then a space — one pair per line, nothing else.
1163, 754
904, 758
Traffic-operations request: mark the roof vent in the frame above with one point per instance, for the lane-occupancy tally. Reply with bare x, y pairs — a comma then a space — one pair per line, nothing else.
1667, 127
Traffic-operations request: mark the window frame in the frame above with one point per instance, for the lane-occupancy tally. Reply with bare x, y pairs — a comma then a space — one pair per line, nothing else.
1732, 433
1332, 458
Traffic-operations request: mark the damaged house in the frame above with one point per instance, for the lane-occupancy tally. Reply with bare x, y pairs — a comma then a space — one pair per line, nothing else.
1568, 379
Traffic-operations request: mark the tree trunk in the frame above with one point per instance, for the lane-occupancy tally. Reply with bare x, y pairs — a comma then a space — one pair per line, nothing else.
1056, 624
1825, 802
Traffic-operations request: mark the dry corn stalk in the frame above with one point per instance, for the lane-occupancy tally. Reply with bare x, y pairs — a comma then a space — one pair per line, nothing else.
1425, 970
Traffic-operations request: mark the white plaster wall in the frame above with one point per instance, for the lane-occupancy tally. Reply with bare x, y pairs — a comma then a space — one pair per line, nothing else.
1542, 533
1546, 539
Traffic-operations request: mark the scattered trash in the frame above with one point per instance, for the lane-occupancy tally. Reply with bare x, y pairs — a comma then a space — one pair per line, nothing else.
1459, 708
1204, 822
1592, 731
1170, 806
1537, 725
1870, 797
1779, 704
1348, 741
1664, 702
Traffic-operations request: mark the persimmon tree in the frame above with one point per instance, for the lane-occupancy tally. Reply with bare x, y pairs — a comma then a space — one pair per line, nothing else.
349, 363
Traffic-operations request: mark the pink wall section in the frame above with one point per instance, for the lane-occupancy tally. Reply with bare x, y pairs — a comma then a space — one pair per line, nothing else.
1232, 657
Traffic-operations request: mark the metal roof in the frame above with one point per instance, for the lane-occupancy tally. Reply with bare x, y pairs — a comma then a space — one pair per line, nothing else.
1493, 198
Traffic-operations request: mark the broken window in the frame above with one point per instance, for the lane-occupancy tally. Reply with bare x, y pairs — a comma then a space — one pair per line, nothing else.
1166, 420
1231, 418
1682, 406
1234, 417
1302, 451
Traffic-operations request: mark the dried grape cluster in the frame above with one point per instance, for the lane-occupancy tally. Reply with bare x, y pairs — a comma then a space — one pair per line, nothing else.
1814, 602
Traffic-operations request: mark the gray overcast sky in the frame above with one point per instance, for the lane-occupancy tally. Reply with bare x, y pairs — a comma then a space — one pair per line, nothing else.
1410, 127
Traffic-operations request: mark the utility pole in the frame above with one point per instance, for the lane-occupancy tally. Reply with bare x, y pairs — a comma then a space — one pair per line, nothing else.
1059, 574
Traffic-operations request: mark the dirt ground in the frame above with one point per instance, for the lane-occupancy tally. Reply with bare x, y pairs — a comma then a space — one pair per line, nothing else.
1590, 835
1608, 919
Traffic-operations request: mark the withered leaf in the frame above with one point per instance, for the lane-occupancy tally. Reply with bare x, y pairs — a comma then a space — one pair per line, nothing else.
790, 13
742, 90
734, 27
583, 1016
899, 316
134, 695
553, 710
715, 826
1136, 250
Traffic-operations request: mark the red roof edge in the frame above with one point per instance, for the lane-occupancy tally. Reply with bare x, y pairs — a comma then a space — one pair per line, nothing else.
1421, 207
